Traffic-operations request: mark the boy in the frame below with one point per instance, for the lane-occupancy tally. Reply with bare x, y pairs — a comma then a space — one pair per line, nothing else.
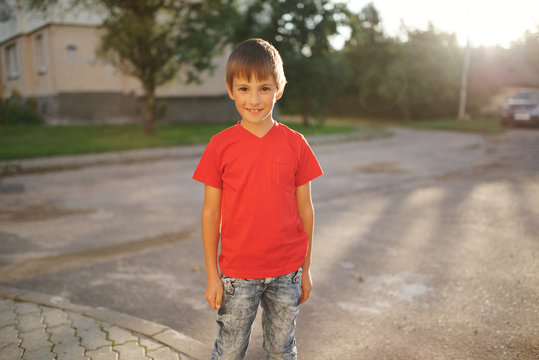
257, 200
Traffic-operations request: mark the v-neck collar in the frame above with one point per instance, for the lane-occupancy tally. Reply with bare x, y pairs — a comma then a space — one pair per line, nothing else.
247, 134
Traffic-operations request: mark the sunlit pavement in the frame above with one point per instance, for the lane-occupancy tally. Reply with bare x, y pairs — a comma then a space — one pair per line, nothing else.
426, 246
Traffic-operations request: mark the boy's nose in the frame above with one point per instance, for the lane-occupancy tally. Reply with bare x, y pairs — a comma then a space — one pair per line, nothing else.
254, 98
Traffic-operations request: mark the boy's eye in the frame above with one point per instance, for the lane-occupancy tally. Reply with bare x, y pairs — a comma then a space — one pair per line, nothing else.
265, 89
242, 89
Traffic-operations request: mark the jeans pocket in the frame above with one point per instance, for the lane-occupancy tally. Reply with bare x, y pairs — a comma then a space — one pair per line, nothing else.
228, 284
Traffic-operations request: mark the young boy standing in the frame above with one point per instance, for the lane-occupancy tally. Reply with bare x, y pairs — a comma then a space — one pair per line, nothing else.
257, 201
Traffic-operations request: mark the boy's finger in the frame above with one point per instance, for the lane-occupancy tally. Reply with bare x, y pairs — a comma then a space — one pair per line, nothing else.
304, 296
219, 299
212, 300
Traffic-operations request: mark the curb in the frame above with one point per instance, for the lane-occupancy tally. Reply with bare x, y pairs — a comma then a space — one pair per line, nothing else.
70, 162
160, 333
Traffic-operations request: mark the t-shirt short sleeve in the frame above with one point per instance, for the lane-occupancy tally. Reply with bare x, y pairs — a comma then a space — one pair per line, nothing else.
209, 170
309, 168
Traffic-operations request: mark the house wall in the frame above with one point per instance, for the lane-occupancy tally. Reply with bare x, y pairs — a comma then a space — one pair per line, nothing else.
78, 69
198, 109
90, 107
212, 82
114, 107
77, 87
71, 64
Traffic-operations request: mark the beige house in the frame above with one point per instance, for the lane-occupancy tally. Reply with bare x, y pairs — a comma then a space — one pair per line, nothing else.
52, 59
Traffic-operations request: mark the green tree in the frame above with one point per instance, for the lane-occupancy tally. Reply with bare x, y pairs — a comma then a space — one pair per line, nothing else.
155, 40
415, 75
301, 31
528, 48
431, 61
374, 82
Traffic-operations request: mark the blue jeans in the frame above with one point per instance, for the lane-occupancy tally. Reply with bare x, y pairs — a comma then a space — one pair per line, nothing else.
279, 298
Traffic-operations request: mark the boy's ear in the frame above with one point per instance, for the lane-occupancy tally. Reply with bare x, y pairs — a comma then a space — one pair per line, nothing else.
229, 90
279, 94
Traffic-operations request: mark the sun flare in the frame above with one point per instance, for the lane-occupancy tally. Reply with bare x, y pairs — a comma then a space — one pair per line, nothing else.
483, 22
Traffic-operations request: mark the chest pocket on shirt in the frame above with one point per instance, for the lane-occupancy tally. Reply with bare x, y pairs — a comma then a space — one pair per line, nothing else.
284, 173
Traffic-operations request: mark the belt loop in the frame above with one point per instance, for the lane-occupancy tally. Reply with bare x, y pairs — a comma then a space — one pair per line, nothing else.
298, 274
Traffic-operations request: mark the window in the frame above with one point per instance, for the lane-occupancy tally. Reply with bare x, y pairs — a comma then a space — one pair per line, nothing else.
41, 55
12, 61
72, 49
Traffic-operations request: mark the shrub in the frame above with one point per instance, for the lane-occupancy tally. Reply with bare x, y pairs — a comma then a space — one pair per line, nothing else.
16, 114
17, 110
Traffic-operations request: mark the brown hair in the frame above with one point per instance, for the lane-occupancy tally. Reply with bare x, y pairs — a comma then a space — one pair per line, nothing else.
258, 57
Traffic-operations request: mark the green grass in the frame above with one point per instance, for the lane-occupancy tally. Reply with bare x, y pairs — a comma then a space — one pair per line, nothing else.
18, 141
28, 141
323, 129
487, 126
480, 125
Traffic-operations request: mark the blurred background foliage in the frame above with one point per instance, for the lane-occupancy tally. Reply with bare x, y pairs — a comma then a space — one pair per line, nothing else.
414, 75
302, 33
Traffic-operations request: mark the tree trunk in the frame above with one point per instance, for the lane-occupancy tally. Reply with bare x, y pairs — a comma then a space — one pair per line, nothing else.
305, 113
149, 113
2, 97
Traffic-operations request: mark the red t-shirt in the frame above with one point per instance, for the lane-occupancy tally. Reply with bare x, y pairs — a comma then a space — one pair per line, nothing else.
261, 233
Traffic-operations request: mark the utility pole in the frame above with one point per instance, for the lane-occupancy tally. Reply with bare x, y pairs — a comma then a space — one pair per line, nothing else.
464, 82
465, 68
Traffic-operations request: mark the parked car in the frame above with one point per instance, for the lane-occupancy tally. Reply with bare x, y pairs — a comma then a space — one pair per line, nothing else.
522, 108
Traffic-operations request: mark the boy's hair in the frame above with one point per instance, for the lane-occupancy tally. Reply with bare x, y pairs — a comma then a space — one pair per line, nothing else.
258, 57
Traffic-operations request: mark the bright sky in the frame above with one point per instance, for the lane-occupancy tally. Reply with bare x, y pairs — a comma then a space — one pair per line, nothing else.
487, 22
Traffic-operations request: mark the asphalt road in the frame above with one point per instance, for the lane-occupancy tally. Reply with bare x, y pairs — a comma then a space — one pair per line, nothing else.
426, 246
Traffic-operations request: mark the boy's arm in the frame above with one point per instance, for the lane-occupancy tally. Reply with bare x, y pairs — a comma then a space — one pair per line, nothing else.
306, 215
211, 220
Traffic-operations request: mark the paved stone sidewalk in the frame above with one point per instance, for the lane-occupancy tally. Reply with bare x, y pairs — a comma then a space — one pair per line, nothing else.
35, 326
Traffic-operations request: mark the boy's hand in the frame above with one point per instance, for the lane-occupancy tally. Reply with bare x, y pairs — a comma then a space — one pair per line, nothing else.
214, 293
306, 286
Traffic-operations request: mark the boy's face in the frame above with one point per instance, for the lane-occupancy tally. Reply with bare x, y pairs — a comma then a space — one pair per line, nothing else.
254, 98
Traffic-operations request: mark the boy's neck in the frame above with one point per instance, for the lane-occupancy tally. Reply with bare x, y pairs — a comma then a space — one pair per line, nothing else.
259, 130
